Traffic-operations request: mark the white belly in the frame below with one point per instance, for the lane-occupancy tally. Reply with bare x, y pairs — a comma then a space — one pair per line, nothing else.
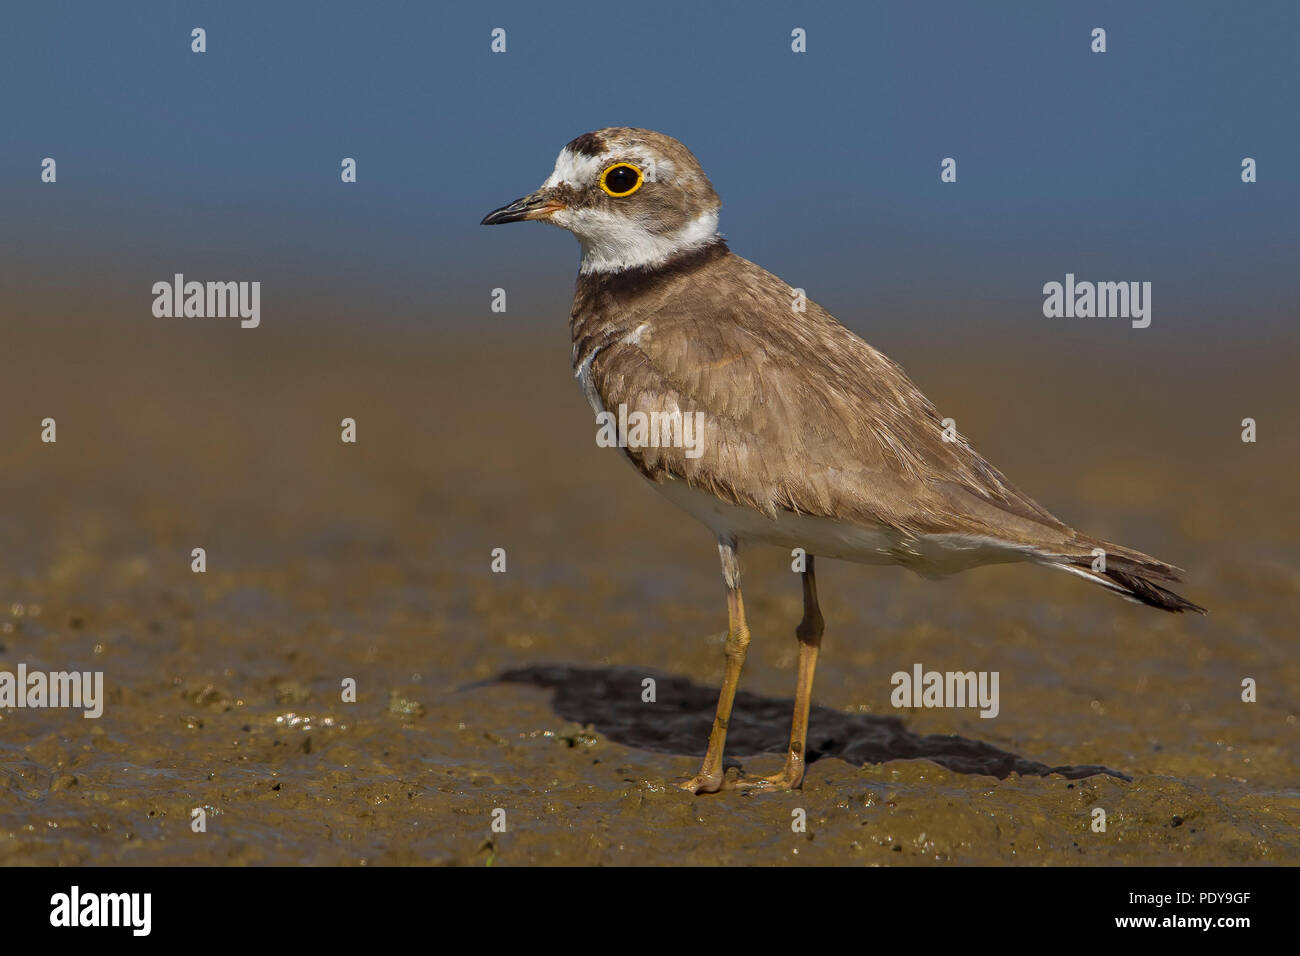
933, 555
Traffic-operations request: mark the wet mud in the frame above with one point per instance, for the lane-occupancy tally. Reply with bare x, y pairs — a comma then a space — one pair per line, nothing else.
522, 692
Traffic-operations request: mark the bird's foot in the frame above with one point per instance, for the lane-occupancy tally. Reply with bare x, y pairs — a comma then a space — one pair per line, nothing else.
704, 782
788, 778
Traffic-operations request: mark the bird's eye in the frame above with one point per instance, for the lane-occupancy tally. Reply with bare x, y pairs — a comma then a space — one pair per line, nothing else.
621, 179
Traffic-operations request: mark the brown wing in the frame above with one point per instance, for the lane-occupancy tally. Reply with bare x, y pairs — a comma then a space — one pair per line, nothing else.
799, 413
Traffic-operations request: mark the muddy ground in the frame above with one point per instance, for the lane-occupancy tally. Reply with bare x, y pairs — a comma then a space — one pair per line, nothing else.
522, 691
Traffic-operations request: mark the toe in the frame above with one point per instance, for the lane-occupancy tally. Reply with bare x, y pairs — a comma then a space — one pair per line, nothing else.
702, 783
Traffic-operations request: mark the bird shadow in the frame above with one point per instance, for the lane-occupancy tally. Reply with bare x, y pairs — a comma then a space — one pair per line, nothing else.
610, 701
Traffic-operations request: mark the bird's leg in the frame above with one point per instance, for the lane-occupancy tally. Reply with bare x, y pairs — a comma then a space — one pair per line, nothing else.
710, 777
809, 633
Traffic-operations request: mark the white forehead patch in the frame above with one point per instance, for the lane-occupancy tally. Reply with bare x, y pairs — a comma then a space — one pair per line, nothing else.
574, 169
579, 169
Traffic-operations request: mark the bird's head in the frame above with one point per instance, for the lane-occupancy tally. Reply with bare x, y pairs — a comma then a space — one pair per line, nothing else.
633, 197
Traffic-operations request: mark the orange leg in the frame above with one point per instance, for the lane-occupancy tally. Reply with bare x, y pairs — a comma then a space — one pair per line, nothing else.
710, 777
809, 633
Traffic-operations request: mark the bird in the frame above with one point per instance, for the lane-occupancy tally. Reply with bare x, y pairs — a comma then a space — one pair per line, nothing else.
807, 437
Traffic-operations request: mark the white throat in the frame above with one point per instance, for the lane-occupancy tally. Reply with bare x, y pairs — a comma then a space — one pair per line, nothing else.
613, 243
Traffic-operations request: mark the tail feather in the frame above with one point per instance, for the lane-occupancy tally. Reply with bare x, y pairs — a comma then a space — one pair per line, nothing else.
1132, 575
1147, 592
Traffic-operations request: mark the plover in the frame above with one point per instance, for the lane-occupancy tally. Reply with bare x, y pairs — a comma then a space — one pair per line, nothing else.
811, 438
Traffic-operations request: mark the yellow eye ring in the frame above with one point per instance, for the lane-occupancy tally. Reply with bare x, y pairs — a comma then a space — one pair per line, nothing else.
620, 180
